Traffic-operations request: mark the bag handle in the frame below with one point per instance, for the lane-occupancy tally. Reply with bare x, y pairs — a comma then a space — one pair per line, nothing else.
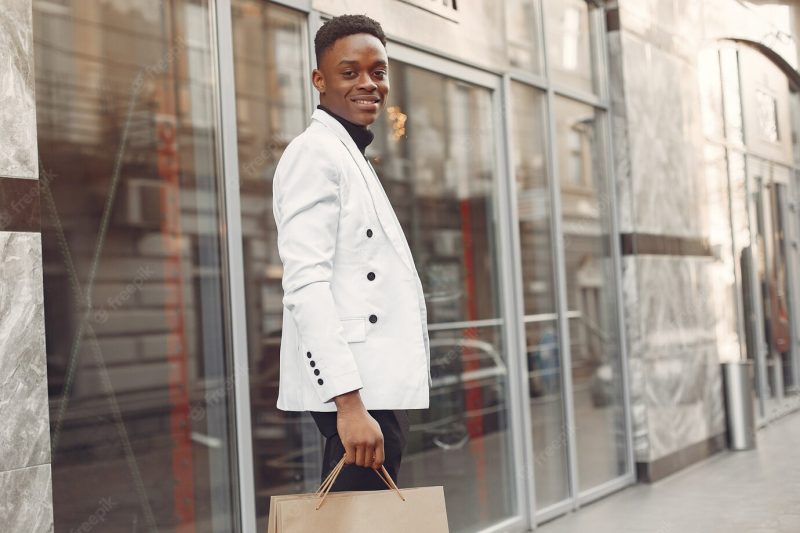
328, 482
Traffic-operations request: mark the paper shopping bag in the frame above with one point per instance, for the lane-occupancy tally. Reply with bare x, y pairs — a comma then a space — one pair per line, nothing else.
386, 511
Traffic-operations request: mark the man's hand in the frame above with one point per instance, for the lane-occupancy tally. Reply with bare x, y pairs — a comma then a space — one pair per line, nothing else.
360, 433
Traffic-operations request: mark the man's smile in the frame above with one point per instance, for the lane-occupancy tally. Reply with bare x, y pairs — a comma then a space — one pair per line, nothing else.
367, 101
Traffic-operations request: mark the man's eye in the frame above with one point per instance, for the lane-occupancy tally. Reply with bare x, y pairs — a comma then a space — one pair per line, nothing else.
348, 73
380, 73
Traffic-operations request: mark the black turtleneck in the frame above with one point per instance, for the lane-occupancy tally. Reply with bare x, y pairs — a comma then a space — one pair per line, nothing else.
360, 134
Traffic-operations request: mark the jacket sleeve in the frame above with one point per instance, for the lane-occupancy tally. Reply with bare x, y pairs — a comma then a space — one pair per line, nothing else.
306, 205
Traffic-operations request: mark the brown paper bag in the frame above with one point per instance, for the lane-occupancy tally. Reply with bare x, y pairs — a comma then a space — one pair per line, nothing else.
386, 511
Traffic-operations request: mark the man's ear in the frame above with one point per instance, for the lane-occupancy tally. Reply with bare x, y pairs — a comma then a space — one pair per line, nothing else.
318, 79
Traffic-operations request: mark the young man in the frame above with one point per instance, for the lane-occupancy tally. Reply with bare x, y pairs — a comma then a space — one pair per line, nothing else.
354, 346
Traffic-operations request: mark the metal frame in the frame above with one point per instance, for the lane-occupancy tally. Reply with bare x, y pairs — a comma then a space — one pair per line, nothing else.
793, 212
600, 102
514, 330
227, 147
788, 222
520, 344
616, 255
562, 307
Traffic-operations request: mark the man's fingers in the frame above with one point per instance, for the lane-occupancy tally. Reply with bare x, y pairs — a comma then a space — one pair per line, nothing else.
350, 454
361, 454
379, 456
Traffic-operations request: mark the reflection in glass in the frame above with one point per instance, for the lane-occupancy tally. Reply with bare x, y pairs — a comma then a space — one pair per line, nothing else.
533, 197
522, 36
569, 42
590, 280
434, 153
138, 359
768, 196
543, 355
272, 106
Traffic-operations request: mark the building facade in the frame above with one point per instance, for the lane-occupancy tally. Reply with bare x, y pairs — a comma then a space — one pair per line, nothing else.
601, 199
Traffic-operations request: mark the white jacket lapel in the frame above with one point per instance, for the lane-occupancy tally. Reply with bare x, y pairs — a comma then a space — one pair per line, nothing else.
380, 201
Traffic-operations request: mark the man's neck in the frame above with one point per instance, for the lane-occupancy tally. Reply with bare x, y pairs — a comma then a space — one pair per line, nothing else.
360, 134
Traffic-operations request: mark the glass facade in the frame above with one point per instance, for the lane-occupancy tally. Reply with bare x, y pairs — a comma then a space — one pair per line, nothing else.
543, 358
596, 362
571, 43
134, 276
138, 271
435, 158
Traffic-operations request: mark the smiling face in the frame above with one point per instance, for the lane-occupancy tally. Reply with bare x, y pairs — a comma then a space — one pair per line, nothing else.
352, 78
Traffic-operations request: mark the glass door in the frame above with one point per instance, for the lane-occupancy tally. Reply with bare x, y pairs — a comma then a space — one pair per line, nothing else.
594, 348
435, 152
775, 366
273, 103
137, 321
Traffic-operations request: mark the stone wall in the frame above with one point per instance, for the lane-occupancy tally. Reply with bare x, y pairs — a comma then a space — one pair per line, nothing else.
668, 265
25, 476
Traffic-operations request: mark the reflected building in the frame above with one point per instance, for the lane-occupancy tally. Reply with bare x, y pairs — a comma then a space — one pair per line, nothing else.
601, 202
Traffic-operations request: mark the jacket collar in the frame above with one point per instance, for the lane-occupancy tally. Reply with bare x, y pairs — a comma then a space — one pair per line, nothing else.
386, 216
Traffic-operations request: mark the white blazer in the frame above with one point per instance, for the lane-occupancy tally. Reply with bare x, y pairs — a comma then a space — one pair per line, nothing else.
354, 313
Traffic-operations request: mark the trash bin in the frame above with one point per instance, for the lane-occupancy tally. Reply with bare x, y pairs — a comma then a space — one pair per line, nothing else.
737, 382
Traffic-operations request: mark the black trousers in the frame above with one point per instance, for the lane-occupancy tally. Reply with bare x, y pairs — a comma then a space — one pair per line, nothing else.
394, 425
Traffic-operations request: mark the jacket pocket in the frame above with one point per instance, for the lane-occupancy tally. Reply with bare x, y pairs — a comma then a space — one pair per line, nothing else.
355, 328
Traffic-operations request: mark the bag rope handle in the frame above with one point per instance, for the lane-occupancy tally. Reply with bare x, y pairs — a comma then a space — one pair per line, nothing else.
328, 482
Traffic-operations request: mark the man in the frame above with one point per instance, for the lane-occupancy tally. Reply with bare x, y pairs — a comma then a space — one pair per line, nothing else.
354, 347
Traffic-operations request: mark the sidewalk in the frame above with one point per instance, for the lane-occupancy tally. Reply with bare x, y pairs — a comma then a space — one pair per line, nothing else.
755, 491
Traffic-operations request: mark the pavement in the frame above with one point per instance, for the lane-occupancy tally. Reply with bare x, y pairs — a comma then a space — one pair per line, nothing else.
753, 491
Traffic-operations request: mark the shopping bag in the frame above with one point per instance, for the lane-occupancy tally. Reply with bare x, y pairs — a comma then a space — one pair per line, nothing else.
419, 509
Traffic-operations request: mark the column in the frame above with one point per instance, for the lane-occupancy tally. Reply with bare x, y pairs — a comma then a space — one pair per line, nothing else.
25, 476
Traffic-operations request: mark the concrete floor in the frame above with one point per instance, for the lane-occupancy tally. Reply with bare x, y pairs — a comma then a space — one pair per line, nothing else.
756, 491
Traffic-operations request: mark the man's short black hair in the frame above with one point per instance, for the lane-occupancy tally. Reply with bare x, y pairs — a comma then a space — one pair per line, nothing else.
342, 26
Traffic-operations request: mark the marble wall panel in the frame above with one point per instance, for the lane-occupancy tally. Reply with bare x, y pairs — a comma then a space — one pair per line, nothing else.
18, 153
683, 399
664, 137
672, 352
26, 503
727, 19
674, 26
675, 304
25, 431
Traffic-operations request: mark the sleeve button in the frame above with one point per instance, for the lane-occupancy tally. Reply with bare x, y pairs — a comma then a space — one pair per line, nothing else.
373, 318
371, 276
369, 233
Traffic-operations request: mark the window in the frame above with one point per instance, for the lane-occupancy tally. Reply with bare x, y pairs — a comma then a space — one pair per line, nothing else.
568, 33
138, 355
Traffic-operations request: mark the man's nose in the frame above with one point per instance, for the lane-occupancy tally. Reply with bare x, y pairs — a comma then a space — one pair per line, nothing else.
365, 81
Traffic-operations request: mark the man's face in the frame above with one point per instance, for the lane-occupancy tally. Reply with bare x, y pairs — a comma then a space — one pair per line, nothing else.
352, 78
